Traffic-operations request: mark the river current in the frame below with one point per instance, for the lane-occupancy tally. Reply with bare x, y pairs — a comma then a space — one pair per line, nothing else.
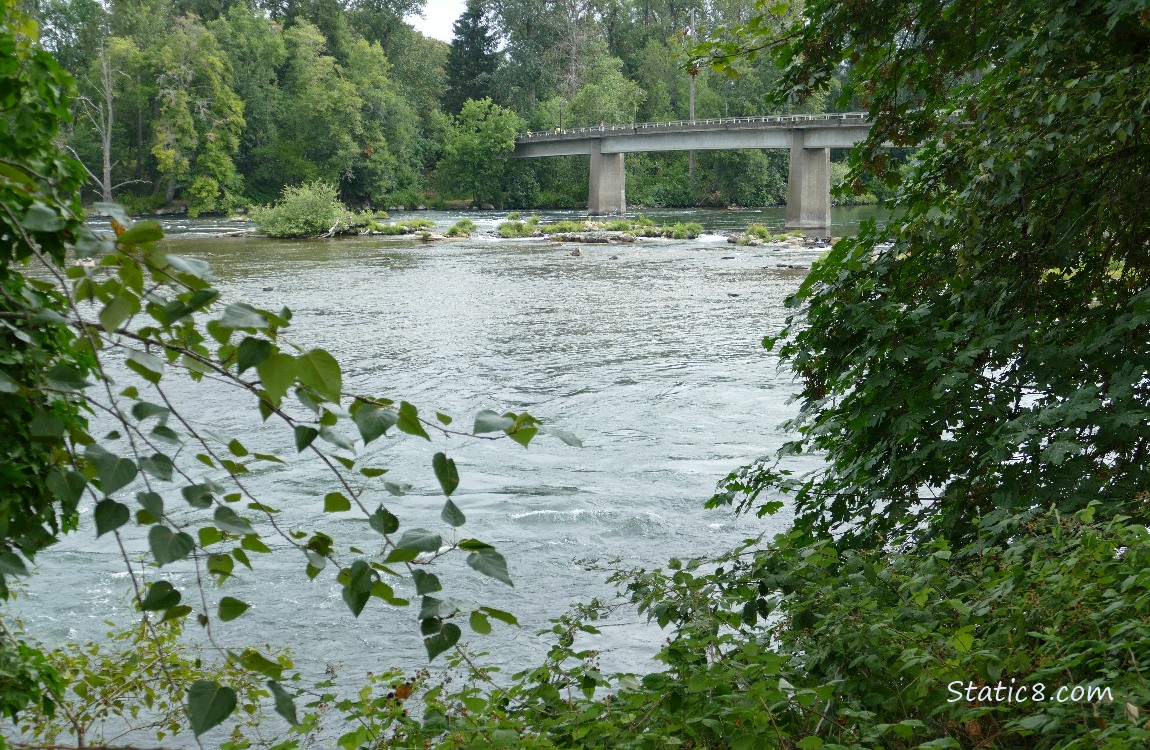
652, 358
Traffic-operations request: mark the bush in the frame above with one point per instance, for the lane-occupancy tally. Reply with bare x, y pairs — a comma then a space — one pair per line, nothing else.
565, 226
307, 210
461, 228
513, 229
415, 225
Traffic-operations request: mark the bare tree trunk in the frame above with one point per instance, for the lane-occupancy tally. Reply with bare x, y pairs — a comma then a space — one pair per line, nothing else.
106, 114
170, 195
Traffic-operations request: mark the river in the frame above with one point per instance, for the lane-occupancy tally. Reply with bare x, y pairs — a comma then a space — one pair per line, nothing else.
653, 359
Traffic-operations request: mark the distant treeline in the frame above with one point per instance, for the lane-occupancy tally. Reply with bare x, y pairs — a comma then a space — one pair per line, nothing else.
217, 104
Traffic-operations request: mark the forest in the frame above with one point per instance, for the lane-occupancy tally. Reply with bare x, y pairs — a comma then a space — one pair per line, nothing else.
216, 105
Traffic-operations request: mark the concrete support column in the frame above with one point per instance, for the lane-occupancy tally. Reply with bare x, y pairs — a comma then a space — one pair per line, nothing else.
808, 186
607, 194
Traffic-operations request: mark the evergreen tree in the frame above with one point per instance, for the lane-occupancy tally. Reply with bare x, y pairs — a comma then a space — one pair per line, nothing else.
472, 60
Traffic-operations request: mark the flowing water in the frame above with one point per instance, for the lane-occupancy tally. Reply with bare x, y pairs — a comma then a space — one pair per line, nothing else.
652, 358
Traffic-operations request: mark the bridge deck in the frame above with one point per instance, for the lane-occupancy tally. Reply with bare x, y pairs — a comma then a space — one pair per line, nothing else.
687, 126
837, 130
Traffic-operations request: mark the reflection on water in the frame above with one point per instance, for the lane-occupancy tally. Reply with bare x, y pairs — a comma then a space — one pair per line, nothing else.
652, 358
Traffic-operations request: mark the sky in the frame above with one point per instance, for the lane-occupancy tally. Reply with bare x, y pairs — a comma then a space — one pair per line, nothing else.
438, 17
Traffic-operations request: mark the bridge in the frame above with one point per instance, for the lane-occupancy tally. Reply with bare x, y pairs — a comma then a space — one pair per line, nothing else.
809, 138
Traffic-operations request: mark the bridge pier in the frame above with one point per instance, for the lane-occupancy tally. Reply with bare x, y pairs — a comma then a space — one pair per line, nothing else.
808, 185
607, 194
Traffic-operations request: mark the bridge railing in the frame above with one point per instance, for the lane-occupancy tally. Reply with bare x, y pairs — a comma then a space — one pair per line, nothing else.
637, 127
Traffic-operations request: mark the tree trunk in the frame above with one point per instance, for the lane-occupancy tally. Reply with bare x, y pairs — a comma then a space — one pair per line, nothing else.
106, 134
170, 195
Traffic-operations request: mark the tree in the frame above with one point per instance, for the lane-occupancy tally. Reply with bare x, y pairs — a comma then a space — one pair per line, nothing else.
472, 59
606, 95
1009, 304
200, 120
104, 84
255, 51
475, 159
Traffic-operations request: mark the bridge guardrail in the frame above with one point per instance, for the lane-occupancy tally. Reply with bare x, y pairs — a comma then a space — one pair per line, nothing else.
636, 127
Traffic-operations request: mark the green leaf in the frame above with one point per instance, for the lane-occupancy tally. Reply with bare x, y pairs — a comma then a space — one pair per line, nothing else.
142, 410
252, 352
219, 564
209, 705
41, 218
158, 465
161, 595
420, 540
563, 435
277, 373
152, 503
227, 520
110, 515
7, 384
452, 515
148, 366
409, 421
333, 437
191, 266
490, 563
209, 535
304, 436
447, 475
360, 579
169, 546
523, 435
117, 311
198, 495
335, 502
11, 565
383, 521
144, 231
489, 421
319, 370
231, 608
285, 707
256, 662
174, 613
447, 637
242, 315
500, 615
373, 421
425, 583
253, 543
112, 472
474, 545
479, 623
67, 486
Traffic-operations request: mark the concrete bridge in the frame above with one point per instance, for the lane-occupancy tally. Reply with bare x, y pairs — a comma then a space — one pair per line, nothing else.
809, 138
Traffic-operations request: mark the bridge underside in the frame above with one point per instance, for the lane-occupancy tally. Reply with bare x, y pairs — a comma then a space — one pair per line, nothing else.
808, 185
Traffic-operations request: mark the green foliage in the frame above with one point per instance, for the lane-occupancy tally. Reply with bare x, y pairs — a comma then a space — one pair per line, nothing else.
461, 228
474, 160
193, 142
513, 229
1006, 297
307, 210
866, 647
472, 59
114, 687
